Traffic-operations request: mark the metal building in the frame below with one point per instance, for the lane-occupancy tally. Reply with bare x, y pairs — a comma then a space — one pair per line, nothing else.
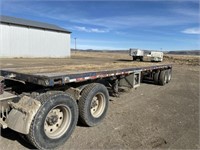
26, 38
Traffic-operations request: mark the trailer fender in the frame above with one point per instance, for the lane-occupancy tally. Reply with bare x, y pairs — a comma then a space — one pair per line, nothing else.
20, 117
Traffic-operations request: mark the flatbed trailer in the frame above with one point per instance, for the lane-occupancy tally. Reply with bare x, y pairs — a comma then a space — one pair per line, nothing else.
44, 107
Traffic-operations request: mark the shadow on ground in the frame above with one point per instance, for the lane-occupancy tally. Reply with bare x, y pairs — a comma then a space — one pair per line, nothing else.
128, 60
14, 136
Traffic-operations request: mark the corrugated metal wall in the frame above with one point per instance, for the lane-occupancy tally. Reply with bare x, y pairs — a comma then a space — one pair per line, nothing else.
17, 41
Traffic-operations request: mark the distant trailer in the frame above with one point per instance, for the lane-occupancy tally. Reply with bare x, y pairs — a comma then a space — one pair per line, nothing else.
136, 54
156, 56
45, 107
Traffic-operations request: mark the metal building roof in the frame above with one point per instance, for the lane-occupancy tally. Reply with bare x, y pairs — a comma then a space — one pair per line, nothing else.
30, 23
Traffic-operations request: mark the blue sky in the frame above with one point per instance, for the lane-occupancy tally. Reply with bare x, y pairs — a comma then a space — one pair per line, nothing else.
145, 24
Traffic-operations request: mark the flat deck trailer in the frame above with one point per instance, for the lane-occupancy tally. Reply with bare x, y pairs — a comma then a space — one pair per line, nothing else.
44, 107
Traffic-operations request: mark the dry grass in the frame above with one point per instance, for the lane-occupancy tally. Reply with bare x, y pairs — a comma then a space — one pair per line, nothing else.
110, 55
88, 61
83, 68
183, 59
177, 59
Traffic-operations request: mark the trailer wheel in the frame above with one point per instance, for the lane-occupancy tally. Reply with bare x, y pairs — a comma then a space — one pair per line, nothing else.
156, 77
54, 121
134, 58
141, 58
93, 104
169, 75
163, 77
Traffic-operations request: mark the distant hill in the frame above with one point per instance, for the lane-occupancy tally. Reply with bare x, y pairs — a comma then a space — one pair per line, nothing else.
186, 52
182, 52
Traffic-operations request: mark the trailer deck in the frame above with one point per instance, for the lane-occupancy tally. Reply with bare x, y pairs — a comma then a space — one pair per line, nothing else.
67, 67
78, 73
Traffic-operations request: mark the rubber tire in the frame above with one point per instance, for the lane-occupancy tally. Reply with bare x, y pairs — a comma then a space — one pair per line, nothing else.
84, 104
141, 77
156, 77
163, 77
141, 58
49, 100
134, 58
169, 75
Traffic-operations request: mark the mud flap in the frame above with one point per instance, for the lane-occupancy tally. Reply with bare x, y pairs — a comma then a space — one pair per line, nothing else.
22, 114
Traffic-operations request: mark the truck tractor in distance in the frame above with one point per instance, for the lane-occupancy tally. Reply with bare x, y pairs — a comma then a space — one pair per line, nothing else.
136, 54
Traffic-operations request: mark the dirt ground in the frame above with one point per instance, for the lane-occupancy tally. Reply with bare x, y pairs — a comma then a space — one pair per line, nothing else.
79, 62
144, 118
87, 61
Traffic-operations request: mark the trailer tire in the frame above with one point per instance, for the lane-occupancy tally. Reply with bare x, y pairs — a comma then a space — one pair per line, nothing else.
55, 120
134, 58
169, 75
141, 58
156, 77
163, 77
93, 104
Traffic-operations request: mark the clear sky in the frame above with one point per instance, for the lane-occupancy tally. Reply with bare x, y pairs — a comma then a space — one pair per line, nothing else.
145, 24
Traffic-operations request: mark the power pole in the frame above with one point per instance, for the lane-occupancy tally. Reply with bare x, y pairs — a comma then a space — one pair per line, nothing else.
75, 43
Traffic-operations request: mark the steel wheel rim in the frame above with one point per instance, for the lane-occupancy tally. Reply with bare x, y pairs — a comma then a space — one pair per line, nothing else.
165, 79
169, 77
57, 121
97, 106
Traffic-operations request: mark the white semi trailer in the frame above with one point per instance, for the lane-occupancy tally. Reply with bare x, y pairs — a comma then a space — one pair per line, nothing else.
156, 56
